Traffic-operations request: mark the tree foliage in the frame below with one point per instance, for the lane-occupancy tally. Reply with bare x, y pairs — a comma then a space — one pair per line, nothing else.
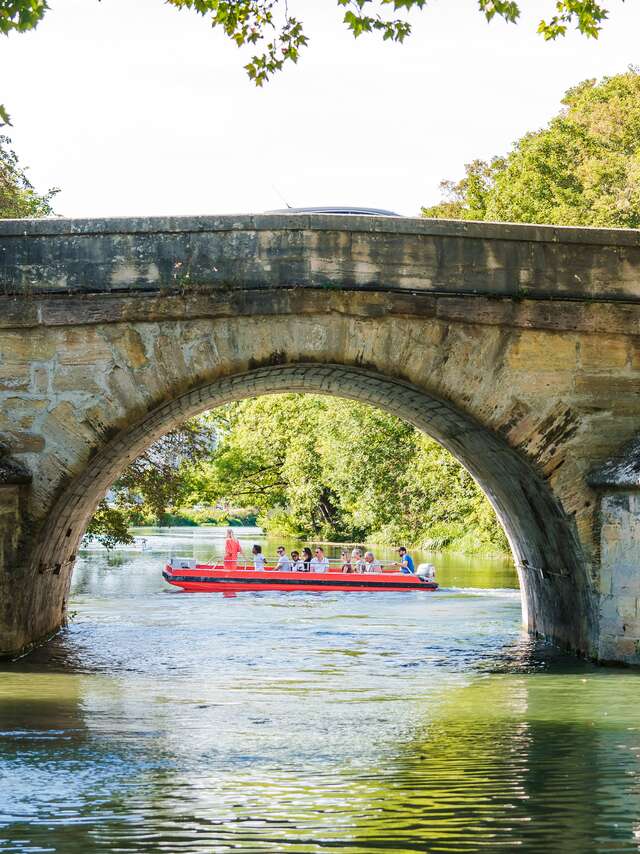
323, 467
310, 466
109, 525
582, 169
156, 483
279, 36
18, 198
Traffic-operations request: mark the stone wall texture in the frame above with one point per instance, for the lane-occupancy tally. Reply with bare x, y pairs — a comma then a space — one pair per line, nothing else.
516, 347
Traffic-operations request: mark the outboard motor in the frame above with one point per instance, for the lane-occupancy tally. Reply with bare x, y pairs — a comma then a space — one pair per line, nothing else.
182, 562
427, 571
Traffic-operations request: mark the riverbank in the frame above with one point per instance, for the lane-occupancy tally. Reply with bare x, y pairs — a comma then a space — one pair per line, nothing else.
467, 545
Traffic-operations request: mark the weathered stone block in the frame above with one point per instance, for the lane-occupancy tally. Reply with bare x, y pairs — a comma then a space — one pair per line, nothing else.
626, 648
169, 357
83, 347
22, 443
18, 348
14, 377
627, 607
129, 345
603, 352
634, 347
76, 378
41, 380
604, 388
203, 357
542, 351
71, 437
25, 410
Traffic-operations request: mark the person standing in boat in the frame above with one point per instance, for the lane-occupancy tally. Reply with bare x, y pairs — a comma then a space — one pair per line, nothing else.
232, 549
258, 557
406, 564
283, 564
320, 563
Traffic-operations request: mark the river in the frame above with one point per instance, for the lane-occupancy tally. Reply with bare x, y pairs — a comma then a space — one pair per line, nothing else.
300, 722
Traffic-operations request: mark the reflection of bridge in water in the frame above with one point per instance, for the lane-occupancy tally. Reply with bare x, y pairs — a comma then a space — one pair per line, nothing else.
514, 346
511, 762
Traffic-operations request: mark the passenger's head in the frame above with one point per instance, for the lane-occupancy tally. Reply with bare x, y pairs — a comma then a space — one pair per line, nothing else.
280, 550
368, 556
344, 554
319, 553
356, 553
306, 553
402, 550
295, 555
256, 550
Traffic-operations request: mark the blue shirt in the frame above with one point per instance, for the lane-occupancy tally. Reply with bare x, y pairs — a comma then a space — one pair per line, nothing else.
410, 568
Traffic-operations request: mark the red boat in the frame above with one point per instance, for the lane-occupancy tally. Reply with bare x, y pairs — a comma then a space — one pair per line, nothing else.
203, 577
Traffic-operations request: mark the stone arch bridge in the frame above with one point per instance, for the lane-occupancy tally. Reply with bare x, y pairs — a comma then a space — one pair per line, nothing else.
517, 347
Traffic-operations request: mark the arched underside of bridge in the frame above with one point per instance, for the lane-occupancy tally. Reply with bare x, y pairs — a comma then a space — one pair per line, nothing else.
548, 555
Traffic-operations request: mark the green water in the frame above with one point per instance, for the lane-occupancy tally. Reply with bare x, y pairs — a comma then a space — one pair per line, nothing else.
165, 721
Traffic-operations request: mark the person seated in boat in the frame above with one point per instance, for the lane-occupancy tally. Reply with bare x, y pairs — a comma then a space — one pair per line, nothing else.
283, 564
232, 548
406, 564
258, 557
297, 565
357, 562
307, 557
371, 564
320, 563
347, 566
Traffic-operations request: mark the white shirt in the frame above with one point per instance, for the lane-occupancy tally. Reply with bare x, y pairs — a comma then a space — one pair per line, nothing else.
258, 561
284, 564
320, 564
374, 566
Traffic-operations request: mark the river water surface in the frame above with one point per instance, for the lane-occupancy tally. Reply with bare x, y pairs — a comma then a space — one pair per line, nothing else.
302, 722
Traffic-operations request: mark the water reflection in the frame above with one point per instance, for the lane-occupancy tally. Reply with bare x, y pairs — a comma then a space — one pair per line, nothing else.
163, 721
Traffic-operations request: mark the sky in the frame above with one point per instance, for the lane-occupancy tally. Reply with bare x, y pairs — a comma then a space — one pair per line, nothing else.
132, 107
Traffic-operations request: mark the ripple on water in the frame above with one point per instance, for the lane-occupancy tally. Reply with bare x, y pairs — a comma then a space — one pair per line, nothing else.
296, 723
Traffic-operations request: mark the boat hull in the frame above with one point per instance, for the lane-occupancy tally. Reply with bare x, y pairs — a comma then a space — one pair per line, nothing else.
208, 579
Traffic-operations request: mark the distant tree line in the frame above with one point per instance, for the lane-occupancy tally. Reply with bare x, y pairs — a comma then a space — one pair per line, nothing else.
583, 168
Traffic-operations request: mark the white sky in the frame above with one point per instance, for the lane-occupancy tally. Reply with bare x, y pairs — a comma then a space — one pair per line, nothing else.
134, 108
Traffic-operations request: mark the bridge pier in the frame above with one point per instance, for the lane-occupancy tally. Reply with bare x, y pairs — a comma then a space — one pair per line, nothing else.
26, 615
617, 482
33, 597
619, 610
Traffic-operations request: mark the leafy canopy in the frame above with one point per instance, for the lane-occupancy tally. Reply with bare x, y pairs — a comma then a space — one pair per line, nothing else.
280, 36
156, 483
312, 466
17, 195
582, 169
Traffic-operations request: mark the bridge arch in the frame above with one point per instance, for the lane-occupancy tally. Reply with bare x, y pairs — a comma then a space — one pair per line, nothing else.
547, 552
516, 346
